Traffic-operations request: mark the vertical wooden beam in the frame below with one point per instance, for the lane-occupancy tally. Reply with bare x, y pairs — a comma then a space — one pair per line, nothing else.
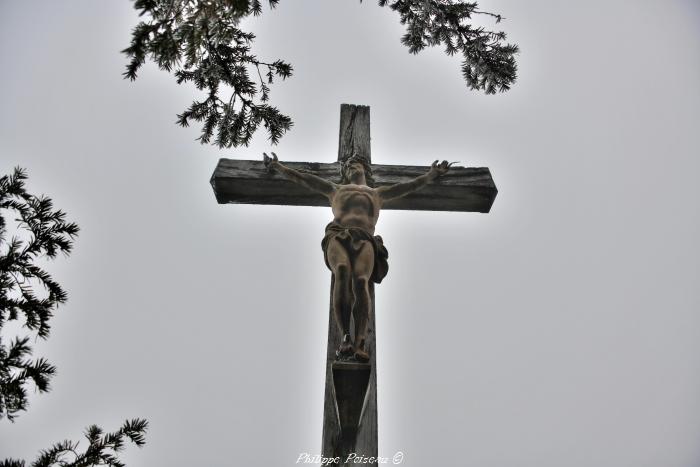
354, 132
354, 138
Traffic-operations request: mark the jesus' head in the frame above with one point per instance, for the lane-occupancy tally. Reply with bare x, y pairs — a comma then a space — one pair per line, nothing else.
356, 169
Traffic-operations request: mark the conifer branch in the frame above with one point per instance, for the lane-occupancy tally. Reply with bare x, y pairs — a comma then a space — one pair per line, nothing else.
102, 449
46, 233
200, 41
488, 61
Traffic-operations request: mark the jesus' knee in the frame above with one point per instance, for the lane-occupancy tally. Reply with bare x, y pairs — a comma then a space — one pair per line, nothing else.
341, 272
360, 283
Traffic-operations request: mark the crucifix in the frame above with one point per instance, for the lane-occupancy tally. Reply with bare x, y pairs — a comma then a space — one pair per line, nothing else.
356, 190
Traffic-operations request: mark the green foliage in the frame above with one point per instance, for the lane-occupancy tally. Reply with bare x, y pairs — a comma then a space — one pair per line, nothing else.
102, 449
47, 234
16, 371
41, 233
488, 62
199, 41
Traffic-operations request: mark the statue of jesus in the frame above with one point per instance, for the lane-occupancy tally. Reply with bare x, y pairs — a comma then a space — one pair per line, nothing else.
351, 250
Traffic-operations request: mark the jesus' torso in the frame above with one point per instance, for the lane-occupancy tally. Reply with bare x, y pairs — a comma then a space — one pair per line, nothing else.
356, 206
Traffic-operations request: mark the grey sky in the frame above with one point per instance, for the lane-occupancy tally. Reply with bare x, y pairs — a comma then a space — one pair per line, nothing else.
561, 329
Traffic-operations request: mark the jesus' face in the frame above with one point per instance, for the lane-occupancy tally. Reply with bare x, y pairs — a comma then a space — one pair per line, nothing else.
355, 172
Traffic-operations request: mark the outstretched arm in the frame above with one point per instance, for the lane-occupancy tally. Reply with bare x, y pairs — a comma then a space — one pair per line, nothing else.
310, 181
402, 189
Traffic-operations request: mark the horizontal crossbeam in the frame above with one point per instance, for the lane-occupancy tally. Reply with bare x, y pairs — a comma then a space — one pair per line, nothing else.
249, 182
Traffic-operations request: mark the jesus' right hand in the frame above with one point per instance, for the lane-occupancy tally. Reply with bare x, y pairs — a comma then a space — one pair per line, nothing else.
270, 162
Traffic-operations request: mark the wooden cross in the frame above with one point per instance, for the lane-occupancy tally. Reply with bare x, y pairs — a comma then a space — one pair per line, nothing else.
350, 407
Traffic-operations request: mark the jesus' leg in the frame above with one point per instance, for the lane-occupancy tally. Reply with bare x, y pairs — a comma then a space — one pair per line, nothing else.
362, 267
340, 265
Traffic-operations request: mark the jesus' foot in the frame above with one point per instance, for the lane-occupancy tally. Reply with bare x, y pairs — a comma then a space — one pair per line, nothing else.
361, 355
346, 349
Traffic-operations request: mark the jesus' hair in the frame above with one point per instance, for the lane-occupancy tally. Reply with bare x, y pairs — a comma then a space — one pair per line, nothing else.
365, 164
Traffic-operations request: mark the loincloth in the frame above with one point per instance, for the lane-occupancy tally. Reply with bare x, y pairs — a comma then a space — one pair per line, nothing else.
352, 238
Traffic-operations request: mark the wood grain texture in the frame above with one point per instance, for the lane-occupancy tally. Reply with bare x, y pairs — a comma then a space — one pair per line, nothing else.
366, 440
354, 135
463, 189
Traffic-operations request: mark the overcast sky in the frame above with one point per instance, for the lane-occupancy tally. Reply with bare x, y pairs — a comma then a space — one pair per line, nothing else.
561, 329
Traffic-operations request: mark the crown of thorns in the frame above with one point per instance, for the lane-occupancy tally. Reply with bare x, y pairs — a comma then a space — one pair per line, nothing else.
355, 158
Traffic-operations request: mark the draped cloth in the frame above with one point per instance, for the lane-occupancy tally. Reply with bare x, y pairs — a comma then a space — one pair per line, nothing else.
352, 238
